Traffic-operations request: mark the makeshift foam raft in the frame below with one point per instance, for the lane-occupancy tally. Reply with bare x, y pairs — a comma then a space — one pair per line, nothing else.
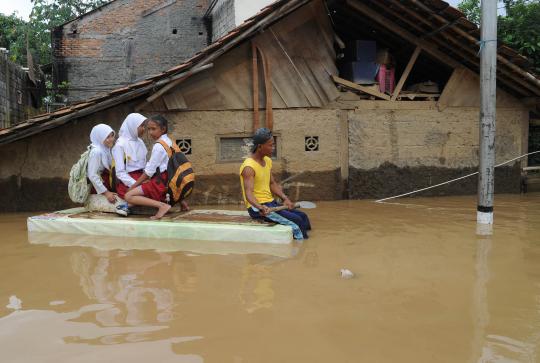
108, 243
200, 225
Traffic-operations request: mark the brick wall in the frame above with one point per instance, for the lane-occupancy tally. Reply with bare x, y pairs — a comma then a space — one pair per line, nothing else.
125, 41
13, 93
223, 18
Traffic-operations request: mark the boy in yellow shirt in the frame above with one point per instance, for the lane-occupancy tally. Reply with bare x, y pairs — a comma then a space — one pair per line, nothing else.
259, 187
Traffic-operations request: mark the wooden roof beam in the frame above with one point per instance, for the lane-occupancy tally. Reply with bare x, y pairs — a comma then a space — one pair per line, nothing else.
528, 76
458, 49
425, 45
406, 73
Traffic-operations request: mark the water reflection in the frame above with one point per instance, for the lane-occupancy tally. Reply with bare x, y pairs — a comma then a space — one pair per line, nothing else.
480, 301
133, 287
256, 290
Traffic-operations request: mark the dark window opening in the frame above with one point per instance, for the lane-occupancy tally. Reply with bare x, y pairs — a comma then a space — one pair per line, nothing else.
174, 31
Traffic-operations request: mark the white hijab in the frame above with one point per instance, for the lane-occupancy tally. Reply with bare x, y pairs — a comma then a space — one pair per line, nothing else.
97, 136
129, 140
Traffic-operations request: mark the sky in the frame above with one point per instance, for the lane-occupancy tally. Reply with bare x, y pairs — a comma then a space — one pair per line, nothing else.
23, 7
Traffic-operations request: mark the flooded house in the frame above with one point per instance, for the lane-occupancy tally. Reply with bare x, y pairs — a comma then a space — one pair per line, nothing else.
366, 99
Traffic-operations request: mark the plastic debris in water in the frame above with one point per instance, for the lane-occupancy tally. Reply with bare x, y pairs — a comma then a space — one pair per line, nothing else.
346, 274
14, 303
57, 302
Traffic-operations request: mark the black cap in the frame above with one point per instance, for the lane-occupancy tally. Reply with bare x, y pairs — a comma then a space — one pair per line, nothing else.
261, 136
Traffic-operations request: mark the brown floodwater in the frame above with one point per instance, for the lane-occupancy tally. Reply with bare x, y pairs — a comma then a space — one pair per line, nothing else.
426, 288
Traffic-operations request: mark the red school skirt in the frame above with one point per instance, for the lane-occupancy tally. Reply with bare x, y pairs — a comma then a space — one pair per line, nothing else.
121, 188
105, 178
156, 188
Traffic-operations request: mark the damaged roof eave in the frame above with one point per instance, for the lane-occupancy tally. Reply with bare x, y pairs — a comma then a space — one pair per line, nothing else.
526, 85
200, 60
450, 43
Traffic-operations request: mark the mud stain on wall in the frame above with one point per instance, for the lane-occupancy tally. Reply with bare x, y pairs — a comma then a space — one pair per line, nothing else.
388, 180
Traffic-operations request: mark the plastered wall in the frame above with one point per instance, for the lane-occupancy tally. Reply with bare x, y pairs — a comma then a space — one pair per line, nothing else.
419, 135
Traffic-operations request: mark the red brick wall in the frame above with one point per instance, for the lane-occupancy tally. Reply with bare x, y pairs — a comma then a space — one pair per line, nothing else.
116, 17
80, 47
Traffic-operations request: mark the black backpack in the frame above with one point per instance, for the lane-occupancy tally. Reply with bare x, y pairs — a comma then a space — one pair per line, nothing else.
181, 177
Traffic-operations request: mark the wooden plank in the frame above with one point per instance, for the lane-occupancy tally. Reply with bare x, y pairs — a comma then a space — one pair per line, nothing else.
286, 53
357, 87
413, 95
529, 168
267, 90
312, 62
304, 68
175, 101
284, 78
177, 79
406, 72
451, 87
322, 73
255, 71
233, 78
200, 93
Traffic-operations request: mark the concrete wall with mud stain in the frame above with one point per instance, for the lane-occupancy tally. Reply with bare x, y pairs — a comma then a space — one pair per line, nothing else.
218, 181
34, 171
400, 147
380, 148
35, 175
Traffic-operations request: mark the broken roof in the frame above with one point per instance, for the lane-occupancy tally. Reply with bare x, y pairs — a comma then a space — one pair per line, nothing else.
439, 29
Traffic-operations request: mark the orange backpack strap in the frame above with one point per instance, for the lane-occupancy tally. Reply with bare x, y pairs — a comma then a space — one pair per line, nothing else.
175, 147
167, 148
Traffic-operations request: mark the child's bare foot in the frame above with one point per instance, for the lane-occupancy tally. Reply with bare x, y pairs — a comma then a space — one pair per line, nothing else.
185, 206
163, 209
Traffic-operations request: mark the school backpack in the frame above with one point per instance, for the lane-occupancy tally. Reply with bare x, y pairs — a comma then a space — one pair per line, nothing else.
78, 186
181, 177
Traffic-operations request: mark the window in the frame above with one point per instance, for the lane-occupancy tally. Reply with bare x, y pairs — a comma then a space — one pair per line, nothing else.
235, 149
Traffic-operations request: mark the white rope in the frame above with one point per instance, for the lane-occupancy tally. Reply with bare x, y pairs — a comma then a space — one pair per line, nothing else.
453, 180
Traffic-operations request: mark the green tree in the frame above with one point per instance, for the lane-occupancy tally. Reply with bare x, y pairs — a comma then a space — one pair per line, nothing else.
471, 9
47, 14
519, 28
13, 37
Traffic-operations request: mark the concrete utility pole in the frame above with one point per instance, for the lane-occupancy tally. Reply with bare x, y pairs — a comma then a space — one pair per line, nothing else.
488, 89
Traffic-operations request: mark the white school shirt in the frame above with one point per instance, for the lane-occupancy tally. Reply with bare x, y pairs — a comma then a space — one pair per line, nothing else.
158, 158
94, 170
122, 169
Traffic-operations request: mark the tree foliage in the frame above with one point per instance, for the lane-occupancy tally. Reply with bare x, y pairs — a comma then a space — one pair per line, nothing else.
471, 9
519, 27
47, 14
15, 33
13, 37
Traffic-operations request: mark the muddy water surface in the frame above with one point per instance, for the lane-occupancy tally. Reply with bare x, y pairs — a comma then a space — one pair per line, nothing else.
426, 289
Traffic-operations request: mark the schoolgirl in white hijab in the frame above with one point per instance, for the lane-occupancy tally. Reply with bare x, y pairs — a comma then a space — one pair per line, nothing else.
129, 153
100, 160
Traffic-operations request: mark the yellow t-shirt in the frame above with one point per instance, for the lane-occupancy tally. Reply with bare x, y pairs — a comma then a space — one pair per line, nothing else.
261, 187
